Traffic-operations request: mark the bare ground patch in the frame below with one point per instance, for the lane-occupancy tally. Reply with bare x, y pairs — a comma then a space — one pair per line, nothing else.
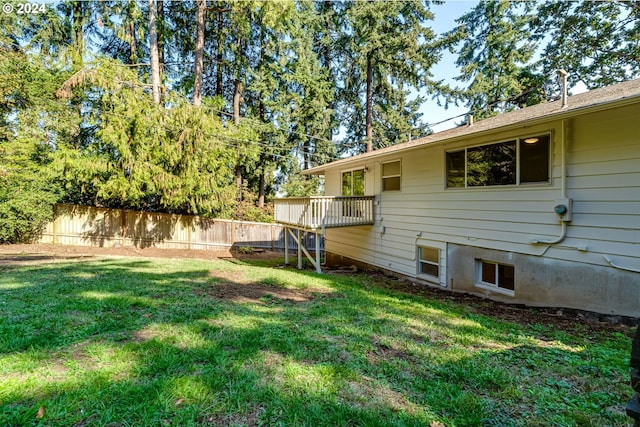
234, 286
256, 293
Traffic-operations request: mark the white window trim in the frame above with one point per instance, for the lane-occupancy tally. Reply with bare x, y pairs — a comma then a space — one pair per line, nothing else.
518, 183
420, 261
399, 175
490, 286
360, 168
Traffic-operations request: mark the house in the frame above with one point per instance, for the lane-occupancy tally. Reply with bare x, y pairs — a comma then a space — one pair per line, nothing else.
539, 206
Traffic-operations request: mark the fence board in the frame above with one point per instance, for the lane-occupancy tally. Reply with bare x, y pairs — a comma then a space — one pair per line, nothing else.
101, 227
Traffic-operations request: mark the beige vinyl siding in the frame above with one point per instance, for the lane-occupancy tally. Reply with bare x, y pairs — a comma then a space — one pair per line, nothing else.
604, 181
357, 243
603, 166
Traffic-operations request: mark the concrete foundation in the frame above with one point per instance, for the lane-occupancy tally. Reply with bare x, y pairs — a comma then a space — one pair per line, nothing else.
539, 281
547, 282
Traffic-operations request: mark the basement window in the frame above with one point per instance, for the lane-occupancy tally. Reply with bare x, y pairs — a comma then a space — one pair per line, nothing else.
495, 276
429, 261
391, 176
515, 162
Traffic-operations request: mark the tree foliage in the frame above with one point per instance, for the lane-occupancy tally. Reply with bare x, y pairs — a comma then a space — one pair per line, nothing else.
258, 91
597, 43
388, 51
27, 117
494, 54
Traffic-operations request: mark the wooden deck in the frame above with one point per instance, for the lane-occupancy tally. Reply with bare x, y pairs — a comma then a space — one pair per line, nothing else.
314, 213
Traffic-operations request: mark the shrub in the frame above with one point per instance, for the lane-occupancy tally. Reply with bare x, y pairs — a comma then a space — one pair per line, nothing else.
26, 205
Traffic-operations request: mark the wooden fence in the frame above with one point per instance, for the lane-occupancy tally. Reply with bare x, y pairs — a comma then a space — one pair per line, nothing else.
101, 227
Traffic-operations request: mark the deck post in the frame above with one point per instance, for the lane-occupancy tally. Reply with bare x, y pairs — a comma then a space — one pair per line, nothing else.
286, 245
299, 251
318, 269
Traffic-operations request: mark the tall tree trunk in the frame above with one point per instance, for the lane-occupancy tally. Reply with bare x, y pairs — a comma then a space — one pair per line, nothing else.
161, 22
261, 190
306, 154
237, 95
77, 33
199, 63
369, 106
153, 48
133, 44
219, 68
326, 63
261, 115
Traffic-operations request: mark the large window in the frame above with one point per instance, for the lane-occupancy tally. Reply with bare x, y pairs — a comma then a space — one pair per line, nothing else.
391, 175
353, 183
495, 275
521, 161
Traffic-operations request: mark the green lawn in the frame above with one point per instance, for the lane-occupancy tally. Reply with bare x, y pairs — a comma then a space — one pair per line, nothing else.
155, 342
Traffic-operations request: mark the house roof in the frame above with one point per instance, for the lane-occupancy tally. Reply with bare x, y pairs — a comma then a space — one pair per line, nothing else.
605, 97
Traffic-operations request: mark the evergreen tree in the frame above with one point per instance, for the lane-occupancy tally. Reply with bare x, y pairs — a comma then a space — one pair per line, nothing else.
494, 55
598, 43
153, 53
149, 157
28, 134
389, 50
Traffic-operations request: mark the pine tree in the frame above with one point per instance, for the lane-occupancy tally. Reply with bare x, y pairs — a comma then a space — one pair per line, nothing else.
389, 50
199, 53
28, 133
598, 43
153, 52
494, 55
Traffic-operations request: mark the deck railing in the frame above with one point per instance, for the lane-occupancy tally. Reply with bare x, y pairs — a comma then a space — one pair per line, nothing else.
318, 212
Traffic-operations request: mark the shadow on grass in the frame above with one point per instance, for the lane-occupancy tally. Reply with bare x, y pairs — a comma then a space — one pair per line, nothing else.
143, 343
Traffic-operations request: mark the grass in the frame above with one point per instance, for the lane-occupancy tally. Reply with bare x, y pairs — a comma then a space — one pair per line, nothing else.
155, 342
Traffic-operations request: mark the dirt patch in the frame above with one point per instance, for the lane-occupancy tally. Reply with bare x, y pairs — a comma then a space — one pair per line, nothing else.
235, 286
19, 259
256, 293
383, 352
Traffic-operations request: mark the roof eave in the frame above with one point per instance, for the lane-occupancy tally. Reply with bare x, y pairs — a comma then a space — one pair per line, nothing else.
555, 115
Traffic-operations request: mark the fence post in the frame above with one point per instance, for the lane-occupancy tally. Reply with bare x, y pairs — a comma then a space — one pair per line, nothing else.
123, 216
273, 235
286, 245
233, 234
318, 269
299, 251
189, 224
55, 223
